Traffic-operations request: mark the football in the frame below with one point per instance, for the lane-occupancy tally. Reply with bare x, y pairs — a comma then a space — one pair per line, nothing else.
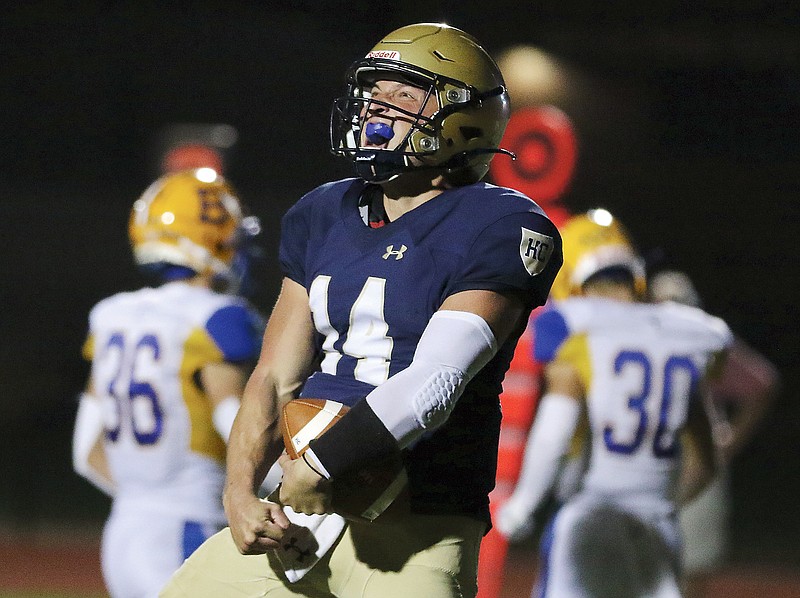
307, 419
359, 495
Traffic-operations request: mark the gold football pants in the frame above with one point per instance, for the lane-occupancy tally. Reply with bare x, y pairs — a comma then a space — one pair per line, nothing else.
414, 556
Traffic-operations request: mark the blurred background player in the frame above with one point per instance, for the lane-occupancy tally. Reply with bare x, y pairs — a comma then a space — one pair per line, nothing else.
738, 402
169, 365
628, 376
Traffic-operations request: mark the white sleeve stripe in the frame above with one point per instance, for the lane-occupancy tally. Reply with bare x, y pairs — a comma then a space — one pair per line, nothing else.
316, 425
380, 504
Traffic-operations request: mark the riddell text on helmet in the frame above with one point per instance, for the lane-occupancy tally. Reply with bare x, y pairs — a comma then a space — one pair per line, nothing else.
390, 54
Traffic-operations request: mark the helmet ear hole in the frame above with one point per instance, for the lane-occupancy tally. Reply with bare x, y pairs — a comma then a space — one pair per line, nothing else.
469, 133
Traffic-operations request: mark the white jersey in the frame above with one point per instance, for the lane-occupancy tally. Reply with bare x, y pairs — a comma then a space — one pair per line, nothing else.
147, 348
640, 364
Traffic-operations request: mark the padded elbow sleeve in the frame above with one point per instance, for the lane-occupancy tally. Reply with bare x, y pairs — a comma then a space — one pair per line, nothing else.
453, 348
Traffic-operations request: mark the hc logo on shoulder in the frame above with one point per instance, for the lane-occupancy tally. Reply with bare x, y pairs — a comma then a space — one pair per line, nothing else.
535, 250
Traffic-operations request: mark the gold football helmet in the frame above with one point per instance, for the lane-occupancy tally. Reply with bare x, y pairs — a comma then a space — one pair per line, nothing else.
592, 242
464, 133
191, 219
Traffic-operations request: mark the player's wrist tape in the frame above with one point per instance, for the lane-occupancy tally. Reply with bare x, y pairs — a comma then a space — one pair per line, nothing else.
357, 440
315, 467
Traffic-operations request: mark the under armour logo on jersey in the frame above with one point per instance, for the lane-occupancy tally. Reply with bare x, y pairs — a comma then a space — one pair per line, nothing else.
397, 253
535, 250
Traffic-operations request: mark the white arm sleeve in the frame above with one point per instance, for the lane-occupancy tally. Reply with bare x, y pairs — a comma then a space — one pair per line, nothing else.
88, 428
548, 442
223, 416
453, 348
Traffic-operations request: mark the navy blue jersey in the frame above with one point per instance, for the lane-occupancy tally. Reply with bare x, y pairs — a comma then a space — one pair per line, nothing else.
372, 292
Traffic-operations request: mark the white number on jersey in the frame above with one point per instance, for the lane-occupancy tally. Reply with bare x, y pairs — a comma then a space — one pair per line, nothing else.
367, 340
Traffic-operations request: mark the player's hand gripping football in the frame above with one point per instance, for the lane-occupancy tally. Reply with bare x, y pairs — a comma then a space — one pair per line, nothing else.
302, 488
256, 525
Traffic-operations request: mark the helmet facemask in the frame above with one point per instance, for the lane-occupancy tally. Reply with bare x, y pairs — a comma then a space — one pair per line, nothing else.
248, 256
429, 144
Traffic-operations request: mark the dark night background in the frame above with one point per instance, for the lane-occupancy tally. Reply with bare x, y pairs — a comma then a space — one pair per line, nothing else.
687, 117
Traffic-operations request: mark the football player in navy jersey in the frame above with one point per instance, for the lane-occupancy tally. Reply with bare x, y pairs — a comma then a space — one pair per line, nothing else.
405, 290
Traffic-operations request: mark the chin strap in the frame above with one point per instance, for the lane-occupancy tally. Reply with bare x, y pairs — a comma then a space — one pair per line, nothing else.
462, 160
380, 167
